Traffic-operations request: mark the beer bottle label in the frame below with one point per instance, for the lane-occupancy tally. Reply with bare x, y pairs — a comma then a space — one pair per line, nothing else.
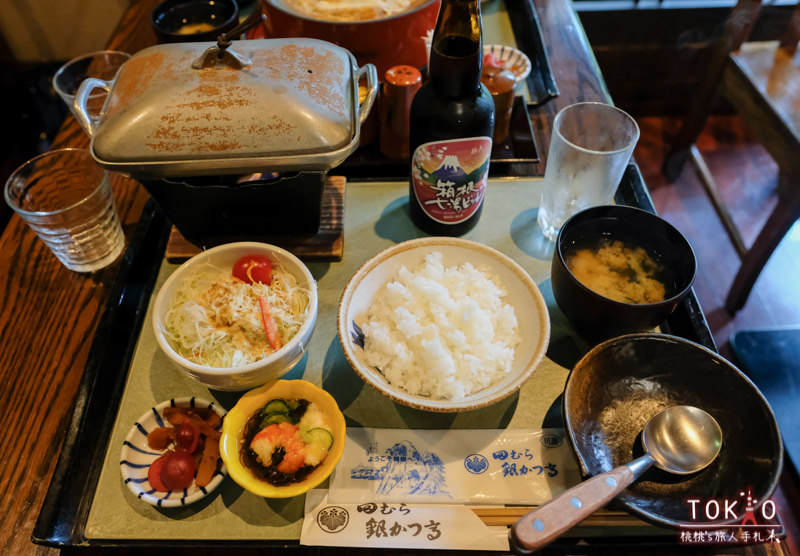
449, 177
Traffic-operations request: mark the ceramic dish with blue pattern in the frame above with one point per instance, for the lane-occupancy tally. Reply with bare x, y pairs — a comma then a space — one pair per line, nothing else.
136, 457
513, 60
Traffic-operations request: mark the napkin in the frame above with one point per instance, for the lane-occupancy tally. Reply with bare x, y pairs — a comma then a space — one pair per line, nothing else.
396, 526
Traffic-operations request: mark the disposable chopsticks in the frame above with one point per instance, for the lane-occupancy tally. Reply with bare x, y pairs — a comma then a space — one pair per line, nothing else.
507, 515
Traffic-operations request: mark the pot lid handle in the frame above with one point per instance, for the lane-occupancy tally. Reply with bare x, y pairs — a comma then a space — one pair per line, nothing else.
219, 55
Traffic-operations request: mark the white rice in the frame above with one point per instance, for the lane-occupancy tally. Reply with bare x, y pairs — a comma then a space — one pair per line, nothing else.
439, 332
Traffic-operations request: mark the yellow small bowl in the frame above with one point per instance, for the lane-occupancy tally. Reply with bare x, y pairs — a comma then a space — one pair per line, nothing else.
253, 401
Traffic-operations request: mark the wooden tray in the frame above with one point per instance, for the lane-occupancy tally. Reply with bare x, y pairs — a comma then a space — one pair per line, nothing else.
327, 244
62, 520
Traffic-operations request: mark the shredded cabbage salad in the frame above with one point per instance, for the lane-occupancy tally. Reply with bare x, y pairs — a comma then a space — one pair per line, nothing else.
215, 319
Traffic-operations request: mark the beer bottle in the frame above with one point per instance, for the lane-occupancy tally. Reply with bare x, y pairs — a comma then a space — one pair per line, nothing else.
451, 126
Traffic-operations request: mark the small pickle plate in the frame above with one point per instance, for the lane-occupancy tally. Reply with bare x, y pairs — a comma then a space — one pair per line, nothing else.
136, 457
512, 59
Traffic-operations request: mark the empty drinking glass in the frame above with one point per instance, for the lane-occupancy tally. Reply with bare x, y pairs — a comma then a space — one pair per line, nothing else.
66, 198
590, 147
102, 65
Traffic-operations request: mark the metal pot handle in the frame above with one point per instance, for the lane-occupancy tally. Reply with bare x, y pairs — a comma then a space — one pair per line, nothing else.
82, 98
372, 83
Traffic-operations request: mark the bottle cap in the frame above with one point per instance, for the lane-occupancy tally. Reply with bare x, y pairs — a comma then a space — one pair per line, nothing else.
403, 76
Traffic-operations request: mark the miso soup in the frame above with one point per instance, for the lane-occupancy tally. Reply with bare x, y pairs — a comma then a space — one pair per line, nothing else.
619, 270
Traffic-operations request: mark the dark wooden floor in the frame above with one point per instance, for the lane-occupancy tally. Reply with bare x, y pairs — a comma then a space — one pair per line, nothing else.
747, 177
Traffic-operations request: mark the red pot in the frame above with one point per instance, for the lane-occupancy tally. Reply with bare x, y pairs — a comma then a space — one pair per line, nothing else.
382, 42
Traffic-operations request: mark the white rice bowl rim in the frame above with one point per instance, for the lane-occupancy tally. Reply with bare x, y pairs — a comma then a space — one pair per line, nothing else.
530, 309
219, 256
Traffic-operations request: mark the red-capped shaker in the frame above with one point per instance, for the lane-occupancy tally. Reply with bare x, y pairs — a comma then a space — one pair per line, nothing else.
400, 85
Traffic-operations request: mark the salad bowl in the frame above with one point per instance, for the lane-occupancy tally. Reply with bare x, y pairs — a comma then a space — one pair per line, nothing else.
251, 374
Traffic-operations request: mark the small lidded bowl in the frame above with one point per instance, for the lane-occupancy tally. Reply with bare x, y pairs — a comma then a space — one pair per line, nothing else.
253, 404
643, 266
193, 20
221, 260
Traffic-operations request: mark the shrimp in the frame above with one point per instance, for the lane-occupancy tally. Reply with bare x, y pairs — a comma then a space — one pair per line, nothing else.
283, 435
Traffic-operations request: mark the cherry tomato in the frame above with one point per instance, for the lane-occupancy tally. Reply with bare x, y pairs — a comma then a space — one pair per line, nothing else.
186, 437
178, 471
154, 472
253, 268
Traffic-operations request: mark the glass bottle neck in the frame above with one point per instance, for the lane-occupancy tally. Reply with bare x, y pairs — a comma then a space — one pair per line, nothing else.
457, 49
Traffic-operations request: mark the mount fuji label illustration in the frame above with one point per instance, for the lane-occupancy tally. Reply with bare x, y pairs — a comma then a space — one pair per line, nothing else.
450, 170
453, 466
449, 177
406, 471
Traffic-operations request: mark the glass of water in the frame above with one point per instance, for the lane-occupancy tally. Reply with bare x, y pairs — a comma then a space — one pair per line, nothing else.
590, 147
66, 198
101, 65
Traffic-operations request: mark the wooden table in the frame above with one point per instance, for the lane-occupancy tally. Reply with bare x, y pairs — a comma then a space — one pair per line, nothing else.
50, 315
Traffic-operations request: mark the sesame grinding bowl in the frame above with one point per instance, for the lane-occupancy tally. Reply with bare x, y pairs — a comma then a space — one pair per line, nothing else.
518, 291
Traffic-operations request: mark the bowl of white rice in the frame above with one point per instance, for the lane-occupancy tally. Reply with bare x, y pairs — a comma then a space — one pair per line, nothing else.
443, 324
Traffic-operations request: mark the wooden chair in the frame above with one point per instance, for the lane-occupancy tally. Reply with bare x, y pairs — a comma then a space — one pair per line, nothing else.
762, 82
